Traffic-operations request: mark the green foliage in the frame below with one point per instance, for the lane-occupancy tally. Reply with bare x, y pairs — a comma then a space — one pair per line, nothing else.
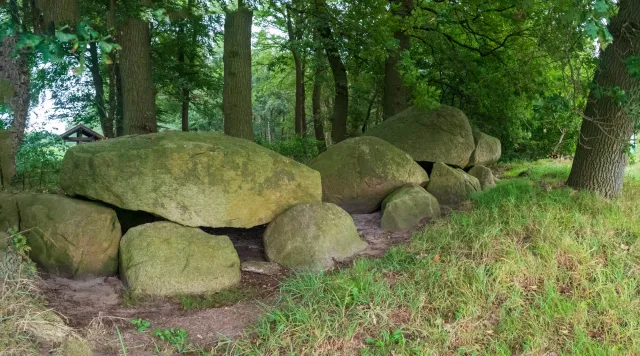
39, 160
633, 64
176, 337
140, 324
301, 149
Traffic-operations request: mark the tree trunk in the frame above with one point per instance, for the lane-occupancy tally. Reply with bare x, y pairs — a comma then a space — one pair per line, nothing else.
138, 92
295, 35
601, 157
236, 96
98, 84
111, 67
56, 12
316, 104
396, 95
15, 73
341, 82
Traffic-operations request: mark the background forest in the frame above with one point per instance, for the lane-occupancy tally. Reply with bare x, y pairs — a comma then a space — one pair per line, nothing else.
302, 74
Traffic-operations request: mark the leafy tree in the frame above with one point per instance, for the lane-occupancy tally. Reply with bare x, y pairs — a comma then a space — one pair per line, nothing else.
608, 124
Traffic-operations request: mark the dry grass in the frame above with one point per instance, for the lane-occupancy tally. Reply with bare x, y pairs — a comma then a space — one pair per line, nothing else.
26, 323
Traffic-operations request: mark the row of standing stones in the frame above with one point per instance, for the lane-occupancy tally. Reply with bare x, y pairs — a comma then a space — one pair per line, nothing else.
407, 166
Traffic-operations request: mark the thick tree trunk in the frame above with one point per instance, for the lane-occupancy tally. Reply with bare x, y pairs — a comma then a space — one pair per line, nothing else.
98, 84
316, 101
236, 96
138, 92
56, 12
295, 36
396, 95
601, 158
111, 67
341, 82
15, 74
300, 118
119, 102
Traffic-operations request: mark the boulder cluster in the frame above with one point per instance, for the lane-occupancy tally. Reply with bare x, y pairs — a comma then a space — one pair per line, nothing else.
182, 182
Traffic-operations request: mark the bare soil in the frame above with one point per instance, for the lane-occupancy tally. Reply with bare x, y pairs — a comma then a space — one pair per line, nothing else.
96, 307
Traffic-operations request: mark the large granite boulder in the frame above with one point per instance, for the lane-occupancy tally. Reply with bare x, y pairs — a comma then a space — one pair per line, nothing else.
484, 176
9, 216
312, 236
166, 259
407, 207
6, 158
358, 173
439, 135
192, 178
488, 150
68, 237
451, 185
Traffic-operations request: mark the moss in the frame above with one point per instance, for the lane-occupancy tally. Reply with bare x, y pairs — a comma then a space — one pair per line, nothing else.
357, 174
166, 259
6, 91
195, 179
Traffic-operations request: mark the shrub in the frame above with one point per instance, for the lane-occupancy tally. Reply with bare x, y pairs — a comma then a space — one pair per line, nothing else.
301, 149
39, 160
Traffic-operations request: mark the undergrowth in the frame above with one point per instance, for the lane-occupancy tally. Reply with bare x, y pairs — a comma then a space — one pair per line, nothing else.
24, 319
531, 270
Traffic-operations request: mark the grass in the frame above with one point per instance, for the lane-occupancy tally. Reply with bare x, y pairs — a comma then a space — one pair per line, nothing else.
24, 319
534, 269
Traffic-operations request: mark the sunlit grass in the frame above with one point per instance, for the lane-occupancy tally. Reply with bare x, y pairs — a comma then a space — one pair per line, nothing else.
531, 270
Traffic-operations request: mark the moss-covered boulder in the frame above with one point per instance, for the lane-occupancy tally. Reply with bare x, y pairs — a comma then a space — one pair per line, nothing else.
6, 158
439, 135
451, 185
358, 173
165, 259
192, 178
312, 236
484, 176
407, 207
68, 237
488, 150
9, 216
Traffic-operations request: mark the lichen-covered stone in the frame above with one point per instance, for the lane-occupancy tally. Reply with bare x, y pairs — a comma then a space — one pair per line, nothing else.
484, 176
487, 152
451, 185
76, 346
165, 259
358, 173
68, 237
192, 178
407, 207
439, 135
312, 236
6, 158
9, 217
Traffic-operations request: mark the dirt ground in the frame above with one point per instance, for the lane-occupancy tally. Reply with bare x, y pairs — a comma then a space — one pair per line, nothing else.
96, 307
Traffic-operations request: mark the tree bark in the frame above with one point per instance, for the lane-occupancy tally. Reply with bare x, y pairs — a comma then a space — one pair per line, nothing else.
111, 67
236, 96
56, 12
98, 84
341, 82
316, 100
138, 92
295, 35
396, 95
15, 72
601, 157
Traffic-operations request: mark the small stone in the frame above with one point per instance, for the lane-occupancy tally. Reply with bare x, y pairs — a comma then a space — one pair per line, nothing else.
261, 267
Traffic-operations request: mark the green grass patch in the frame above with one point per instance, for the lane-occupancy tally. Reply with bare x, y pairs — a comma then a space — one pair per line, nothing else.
530, 270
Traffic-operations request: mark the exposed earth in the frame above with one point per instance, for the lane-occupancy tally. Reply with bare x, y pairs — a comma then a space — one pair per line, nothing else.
97, 307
